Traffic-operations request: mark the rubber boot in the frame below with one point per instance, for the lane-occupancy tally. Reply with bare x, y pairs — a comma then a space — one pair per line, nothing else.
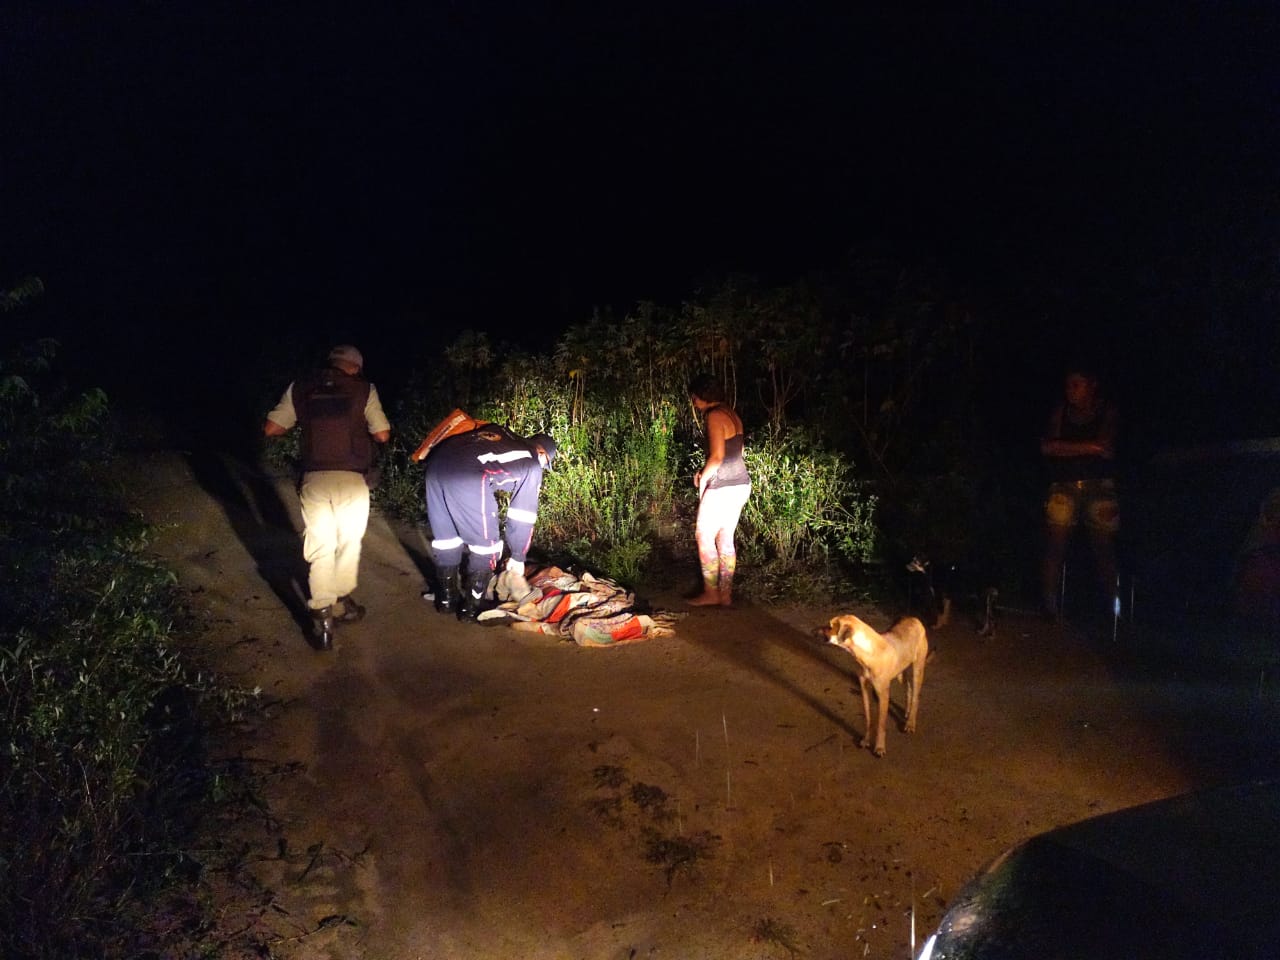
322, 626
477, 581
447, 590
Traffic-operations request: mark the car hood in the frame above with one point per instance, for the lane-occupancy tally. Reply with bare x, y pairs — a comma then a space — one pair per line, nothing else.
1194, 876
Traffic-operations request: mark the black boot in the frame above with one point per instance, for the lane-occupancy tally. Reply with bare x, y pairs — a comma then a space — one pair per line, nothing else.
447, 590
322, 626
351, 611
473, 593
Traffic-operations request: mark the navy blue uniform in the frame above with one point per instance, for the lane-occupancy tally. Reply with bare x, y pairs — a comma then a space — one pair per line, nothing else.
463, 475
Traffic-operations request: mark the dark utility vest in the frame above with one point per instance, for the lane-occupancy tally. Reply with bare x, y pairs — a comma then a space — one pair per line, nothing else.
330, 407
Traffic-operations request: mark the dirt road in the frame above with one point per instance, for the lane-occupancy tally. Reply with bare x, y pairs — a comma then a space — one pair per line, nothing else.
443, 790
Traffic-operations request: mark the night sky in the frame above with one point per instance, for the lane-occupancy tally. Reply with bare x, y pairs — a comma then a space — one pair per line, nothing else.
187, 176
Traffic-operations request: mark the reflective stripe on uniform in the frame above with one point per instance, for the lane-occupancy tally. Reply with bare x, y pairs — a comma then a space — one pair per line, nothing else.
528, 516
450, 544
508, 457
484, 549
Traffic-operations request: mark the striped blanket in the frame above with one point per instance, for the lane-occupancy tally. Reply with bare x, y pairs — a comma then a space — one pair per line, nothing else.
591, 611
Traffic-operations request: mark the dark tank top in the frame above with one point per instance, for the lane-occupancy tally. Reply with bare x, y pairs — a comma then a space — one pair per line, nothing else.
732, 471
1089, 467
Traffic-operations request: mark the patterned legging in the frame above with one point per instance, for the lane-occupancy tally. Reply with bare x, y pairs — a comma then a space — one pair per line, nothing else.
718, 514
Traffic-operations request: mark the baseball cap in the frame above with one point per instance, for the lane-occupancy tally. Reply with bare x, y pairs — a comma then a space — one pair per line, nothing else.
346, 353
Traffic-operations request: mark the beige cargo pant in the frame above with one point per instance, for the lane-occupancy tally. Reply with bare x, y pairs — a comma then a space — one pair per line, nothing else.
335, 513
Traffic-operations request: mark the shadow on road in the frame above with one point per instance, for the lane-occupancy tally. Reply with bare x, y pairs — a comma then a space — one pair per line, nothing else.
750, 649
263, 523
415, 540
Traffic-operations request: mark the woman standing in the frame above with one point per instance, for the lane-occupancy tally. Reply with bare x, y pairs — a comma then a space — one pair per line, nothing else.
723, 487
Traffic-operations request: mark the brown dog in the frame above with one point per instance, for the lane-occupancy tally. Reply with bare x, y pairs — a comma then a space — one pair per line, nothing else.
883, 658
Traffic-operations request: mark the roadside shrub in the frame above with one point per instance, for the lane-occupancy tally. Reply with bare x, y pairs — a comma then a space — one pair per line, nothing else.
807, 519
399, 491
620, 499
81, 778
102, 768
612, 504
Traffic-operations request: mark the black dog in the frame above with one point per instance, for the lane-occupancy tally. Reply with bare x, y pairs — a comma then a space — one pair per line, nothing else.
941, 584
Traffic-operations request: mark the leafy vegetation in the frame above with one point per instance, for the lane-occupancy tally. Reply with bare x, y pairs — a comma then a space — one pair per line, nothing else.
866, 413
102, 769
842, 383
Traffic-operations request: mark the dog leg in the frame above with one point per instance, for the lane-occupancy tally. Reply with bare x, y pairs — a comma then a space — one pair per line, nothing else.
864, 683
882, 691
913, 693
944, 614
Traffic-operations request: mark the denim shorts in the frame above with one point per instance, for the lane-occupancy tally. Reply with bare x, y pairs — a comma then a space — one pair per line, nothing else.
1094, 501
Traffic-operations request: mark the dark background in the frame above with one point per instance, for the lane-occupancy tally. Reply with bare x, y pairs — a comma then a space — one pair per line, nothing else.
195, 181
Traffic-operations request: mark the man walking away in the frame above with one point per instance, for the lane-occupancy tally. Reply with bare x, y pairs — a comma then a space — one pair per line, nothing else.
340, 415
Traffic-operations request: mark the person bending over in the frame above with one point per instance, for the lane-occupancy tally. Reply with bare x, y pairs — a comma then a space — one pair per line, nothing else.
463, 476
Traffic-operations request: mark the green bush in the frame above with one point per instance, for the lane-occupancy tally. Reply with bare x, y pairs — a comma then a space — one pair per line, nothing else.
870, 373
611, 505
82, 773
102, 772
620, 498
806, 517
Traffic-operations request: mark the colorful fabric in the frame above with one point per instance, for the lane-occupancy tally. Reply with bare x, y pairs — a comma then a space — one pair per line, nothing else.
591, 611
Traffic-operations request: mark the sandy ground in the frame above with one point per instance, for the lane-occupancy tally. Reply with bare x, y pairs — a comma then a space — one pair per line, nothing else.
441, 790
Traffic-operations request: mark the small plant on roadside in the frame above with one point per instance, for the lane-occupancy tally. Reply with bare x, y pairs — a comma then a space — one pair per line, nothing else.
607, 775
678, 854
769, 930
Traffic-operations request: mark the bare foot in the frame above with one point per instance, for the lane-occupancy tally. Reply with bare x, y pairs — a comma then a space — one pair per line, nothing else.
705, 600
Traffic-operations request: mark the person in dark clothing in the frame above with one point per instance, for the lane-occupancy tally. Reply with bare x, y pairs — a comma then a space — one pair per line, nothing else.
1079, 450
723, 489
463, 476
340, 416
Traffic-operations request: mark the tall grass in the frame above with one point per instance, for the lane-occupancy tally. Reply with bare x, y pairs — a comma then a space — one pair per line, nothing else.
610, 501
806, 516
